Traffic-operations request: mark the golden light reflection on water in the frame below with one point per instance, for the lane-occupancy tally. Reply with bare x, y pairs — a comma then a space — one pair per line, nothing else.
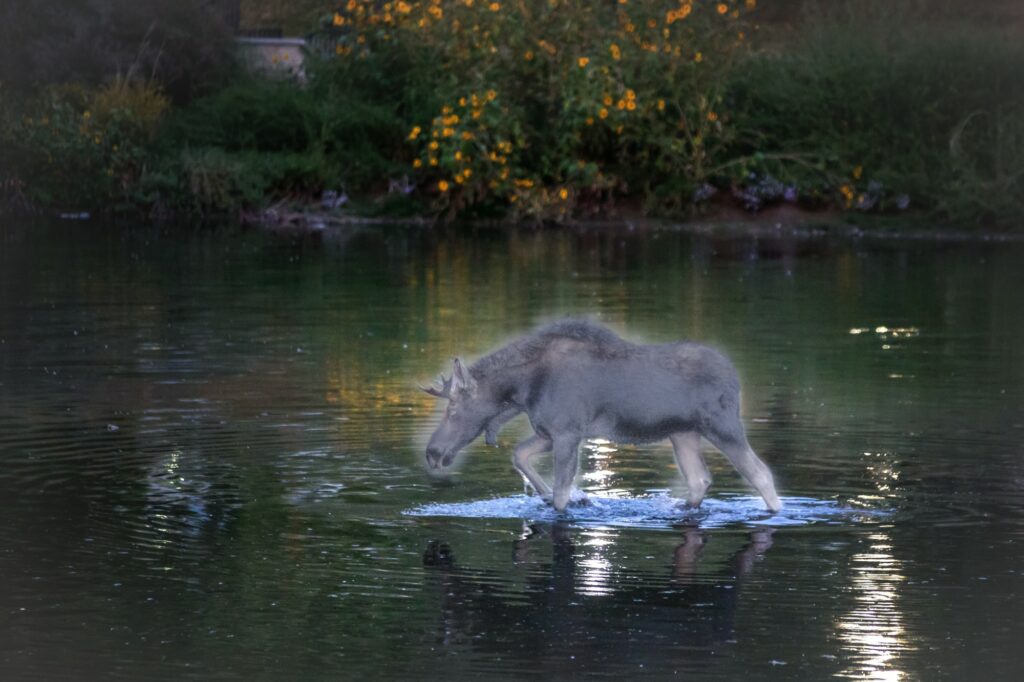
595, 568
873, 631
598, 473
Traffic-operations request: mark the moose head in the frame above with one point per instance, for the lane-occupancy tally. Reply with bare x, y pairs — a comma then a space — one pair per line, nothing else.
469, 410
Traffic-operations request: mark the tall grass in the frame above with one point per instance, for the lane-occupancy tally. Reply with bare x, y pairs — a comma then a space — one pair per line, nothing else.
875, 97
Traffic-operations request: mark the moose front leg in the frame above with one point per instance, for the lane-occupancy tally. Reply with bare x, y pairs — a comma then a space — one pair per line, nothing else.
534, 445
691, 465
567, 460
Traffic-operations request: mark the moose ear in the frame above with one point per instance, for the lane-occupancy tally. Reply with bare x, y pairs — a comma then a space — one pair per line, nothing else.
462, 380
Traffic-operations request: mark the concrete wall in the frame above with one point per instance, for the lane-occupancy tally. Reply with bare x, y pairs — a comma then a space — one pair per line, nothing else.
274, 56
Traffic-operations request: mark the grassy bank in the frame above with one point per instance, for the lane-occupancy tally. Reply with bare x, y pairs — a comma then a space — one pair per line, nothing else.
548, 110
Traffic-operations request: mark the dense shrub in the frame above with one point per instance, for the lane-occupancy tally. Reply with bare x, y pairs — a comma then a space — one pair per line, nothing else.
875, 103
250, 114
77, 147
542, 105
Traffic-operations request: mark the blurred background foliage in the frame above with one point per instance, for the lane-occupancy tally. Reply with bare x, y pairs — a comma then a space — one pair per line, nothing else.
539, 108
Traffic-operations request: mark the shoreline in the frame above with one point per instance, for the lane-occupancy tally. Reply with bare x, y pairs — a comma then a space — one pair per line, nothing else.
783, 221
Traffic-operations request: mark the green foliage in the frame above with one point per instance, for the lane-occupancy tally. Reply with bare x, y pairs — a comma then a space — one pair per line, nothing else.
539, 108
542, 106
251, 114
871, 96
77, 147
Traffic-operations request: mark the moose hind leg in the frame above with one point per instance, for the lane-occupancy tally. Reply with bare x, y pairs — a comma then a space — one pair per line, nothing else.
534, 445
750, 466
567, 461
692, 466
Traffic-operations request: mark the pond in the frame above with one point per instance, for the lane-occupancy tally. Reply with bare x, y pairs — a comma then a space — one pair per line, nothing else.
211, 460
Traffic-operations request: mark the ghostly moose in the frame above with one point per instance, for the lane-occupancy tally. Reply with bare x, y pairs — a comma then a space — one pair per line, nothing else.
577, 380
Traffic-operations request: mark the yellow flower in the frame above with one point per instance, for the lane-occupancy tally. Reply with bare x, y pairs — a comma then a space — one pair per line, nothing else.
679, 14
458, 156
85, 114
403, 7
433, 144
443, 185
462, 101
491, 95
857, 172
495, 6
433, 161
563, 194
751, 4
616, 52
467, 173
698, 57
630, 27
414, 133
603, 114
590, 120
623, 2
528, 55
630, 94
416, 163
621, 104
338, 20
583, 61
466, 135
631, 105
722, 8
458, 180
661, 105
435, 11
607, 101
447, 132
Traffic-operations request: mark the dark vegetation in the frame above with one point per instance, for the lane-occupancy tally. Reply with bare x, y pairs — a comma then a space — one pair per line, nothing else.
874, 107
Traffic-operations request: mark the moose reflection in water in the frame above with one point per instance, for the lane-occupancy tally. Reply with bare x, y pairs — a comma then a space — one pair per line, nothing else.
577, 380
566, 619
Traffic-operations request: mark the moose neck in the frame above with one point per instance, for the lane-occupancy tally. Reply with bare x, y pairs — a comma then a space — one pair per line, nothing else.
509, 385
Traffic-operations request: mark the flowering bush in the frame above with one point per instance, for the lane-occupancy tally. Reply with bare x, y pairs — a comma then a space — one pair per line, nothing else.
73, 146
553, 106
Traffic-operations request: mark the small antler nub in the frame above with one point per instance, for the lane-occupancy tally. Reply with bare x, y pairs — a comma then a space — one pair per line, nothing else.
444, 392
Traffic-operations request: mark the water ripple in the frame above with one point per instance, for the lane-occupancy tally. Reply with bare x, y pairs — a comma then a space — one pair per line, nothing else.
657, 510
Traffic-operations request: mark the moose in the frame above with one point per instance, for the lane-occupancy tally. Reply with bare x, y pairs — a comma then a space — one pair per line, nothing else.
576, 380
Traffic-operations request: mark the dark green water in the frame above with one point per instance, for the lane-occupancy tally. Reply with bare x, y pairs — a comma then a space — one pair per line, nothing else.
210, 443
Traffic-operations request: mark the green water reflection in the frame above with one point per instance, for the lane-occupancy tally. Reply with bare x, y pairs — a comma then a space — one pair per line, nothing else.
208, 440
